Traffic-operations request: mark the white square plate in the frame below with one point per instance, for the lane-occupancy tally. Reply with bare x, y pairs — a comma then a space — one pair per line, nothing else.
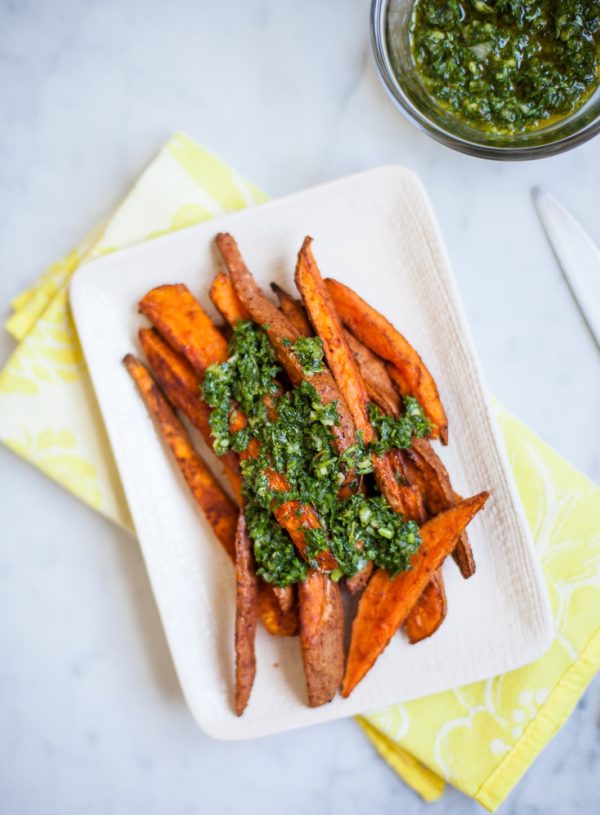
376, 232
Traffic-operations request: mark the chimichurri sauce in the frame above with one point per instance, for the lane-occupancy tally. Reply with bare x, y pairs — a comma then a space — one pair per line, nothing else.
507, 66
293, 435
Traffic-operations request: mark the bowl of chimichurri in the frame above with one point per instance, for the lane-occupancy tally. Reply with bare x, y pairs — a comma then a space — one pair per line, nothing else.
503, 79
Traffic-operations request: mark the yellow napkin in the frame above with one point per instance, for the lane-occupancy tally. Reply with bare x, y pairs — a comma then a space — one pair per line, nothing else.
482, 737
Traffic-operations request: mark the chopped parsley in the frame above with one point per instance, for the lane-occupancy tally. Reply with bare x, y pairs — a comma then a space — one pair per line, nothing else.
395, 433
293, 431
275, 554
243, 380
506, 66
367, 528
309, 353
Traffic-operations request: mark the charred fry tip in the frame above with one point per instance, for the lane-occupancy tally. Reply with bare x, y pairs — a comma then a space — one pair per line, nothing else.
222, 273
146, 334
222, 238
130, 361
467, 570
142, 376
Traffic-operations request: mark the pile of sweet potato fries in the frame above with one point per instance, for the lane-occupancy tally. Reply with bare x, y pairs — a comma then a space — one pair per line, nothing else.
367, 360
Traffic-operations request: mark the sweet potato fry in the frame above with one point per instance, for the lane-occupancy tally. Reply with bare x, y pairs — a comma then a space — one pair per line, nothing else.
358, 582
218, 508
421, 619
246, 615
170, 367
463, 557
292, 516
403, 497
262, 310
226, 300
281, 333
181, 385
293, 310
325, 321
463, 554
327, 326
182, 321
385, 604
407, 368
295, 517
439, 496
321, 636
429, 612
380, 387
276, 621
412, 500
376, 378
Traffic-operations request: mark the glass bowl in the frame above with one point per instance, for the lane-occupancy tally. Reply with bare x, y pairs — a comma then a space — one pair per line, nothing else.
409, 95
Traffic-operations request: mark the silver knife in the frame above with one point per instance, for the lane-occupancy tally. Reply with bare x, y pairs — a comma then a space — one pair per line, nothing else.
577, 255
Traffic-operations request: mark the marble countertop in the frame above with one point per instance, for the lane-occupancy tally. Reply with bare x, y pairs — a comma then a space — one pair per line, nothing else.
91, 716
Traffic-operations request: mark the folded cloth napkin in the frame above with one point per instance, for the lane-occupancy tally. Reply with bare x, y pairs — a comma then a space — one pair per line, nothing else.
482, 737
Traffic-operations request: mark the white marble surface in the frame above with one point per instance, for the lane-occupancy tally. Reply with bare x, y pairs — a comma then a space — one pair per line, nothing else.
91, 717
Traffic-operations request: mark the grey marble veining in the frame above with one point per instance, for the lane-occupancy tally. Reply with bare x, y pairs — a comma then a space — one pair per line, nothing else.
91, 716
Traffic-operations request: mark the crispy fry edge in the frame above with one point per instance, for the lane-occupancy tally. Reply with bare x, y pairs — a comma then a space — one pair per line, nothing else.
246, 615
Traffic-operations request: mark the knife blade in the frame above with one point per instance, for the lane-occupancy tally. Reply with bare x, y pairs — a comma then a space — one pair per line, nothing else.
577, 255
